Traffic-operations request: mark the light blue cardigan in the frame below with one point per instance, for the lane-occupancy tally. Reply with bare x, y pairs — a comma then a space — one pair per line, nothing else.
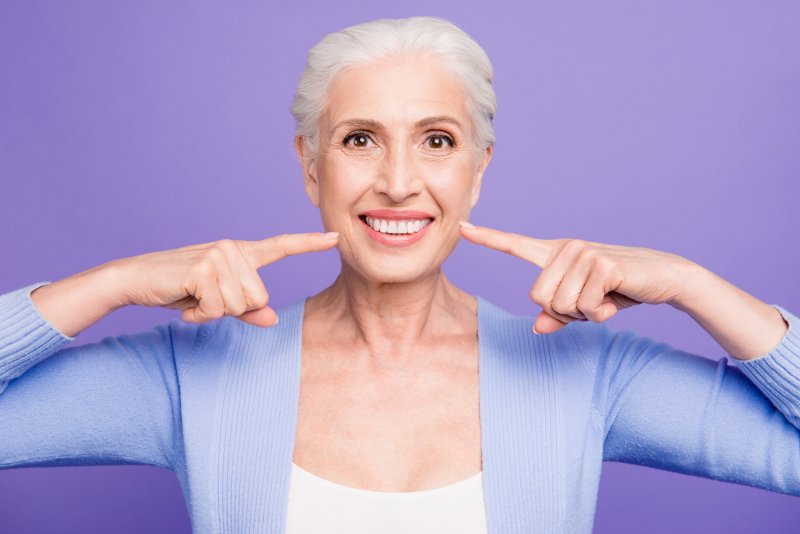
217, 404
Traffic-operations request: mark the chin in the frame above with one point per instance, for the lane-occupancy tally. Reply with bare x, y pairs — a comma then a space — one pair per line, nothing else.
392, 271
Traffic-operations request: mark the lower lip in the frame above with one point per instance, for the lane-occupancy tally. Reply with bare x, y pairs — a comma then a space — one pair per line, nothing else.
399, 240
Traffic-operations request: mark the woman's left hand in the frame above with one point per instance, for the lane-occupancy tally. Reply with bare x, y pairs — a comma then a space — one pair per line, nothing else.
582, 280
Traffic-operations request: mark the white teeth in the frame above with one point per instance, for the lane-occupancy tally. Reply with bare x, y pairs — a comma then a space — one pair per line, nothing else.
397, 227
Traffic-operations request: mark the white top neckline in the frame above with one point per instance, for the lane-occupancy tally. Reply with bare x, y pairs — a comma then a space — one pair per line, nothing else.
476, 478
319, 505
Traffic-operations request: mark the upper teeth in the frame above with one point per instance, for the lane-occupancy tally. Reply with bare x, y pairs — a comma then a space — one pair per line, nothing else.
397, 227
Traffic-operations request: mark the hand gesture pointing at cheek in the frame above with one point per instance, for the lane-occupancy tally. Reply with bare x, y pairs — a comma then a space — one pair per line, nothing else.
204, 281
209, 280
582, 280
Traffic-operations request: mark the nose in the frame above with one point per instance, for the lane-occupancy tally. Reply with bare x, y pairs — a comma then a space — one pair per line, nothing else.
398, 177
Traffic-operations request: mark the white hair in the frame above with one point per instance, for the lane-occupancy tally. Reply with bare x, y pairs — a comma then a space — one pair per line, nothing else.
384, 38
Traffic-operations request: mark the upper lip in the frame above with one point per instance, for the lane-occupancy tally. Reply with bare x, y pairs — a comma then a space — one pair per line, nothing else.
397, 215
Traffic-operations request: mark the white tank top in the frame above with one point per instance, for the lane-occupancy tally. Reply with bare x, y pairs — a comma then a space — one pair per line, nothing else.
320, 506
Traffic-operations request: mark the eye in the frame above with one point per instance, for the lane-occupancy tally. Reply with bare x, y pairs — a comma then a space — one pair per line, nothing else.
357, 140
439, 141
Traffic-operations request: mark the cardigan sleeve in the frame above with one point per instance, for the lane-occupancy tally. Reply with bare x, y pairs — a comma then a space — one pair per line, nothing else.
112, 402
674, 410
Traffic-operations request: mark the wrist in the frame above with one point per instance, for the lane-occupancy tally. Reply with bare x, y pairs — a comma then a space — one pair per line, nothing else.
695, 285
744, 326
110, 281
74, 303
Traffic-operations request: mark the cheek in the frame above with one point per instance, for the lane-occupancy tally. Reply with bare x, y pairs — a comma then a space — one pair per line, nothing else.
451, 186
341, 185
335, 180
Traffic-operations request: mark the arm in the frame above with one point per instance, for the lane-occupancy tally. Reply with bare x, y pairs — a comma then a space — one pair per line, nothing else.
119, 400
24, 339
722, 309
112, 402
96, 292
37, 320
660, 406
669, 409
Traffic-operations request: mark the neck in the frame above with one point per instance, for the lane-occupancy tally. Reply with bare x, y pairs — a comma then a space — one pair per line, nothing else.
394, 319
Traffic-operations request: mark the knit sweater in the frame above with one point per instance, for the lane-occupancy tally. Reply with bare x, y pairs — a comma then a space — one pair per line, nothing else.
217, 404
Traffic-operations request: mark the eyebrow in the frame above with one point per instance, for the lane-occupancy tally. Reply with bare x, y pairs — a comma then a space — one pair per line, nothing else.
375, 125
438, 119
358, 123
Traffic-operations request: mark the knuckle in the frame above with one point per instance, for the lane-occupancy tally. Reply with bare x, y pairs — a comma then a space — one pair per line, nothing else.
255, 294
215, 254
235, 303
214, 312
261, 297
224, 244
205, 269
588, 310
241, 249
575, 245
260, 300
537, 295
236, 309
227, 247
588, 253
604, 264
559, 306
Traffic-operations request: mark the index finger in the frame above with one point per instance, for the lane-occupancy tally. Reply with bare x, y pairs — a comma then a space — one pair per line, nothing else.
272, 249
536, 251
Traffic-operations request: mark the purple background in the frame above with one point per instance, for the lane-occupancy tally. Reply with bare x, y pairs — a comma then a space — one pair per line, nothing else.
131, 128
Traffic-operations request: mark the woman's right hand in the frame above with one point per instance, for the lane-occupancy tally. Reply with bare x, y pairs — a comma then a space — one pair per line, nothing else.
210, 280
206, 281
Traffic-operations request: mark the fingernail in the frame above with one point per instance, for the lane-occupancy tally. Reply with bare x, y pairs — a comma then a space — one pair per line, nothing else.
534, 331
276, 320
331, 235
465, 224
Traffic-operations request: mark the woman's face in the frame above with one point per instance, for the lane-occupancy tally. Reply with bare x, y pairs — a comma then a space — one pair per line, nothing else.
396, 168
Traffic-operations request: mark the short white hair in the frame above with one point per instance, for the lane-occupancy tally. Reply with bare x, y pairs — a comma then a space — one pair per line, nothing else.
385, 38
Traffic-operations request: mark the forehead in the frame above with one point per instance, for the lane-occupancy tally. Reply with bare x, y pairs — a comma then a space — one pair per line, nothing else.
396, 91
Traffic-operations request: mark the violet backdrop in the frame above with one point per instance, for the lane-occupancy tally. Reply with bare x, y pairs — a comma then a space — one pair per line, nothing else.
133, 127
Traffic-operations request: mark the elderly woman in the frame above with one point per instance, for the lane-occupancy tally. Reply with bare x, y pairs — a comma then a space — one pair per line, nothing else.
393, 401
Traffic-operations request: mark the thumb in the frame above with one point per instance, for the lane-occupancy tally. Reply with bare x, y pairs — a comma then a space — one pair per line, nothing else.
547, 324
264, 317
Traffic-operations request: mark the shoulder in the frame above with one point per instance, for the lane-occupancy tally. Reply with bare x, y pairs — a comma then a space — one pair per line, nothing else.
221, 339
510, 333
581, 343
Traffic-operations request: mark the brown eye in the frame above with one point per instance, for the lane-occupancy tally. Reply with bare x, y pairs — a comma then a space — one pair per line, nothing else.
358, 140
437, 142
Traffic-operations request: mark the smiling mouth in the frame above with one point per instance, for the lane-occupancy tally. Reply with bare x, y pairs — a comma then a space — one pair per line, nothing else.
396, 227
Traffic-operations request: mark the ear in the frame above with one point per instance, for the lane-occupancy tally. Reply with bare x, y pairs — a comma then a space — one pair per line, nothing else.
309, 165
476, 186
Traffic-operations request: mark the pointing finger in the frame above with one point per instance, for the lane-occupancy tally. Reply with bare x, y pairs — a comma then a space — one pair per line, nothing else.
536, 251
274, 248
